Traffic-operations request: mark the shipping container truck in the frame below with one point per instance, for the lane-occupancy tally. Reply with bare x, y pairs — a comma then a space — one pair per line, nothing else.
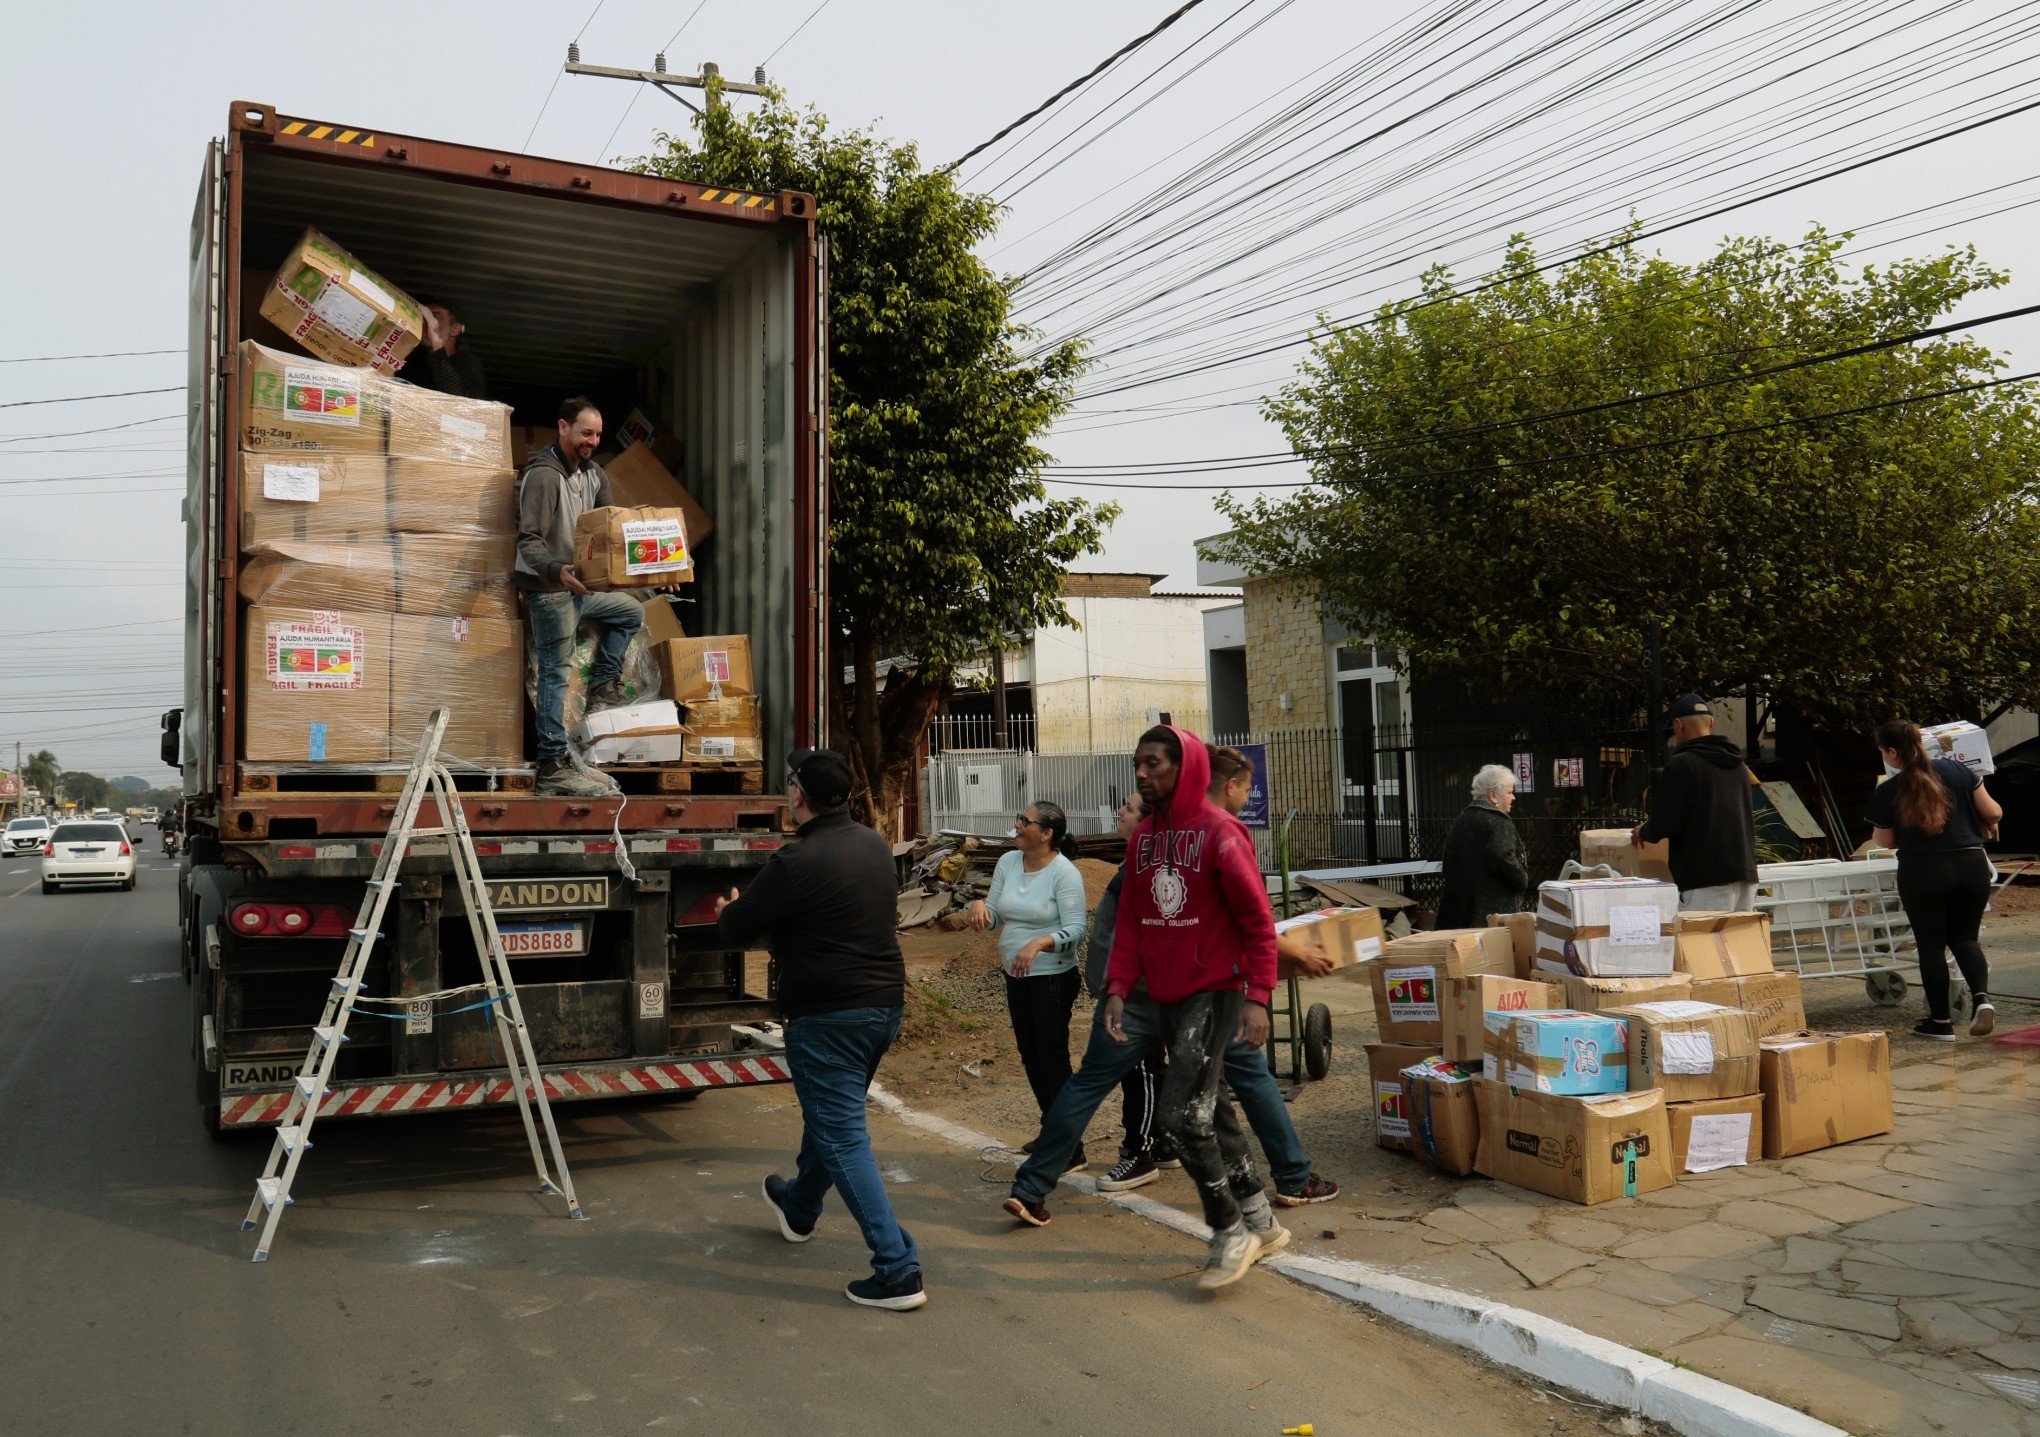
706, 307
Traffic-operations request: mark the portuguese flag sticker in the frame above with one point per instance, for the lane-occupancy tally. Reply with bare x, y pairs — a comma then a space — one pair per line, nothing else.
306, 658
323, 396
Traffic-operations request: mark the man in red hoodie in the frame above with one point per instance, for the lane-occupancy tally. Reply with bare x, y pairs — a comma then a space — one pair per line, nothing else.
1195, 924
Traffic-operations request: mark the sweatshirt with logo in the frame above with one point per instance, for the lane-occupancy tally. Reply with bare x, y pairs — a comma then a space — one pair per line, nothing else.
1193, 909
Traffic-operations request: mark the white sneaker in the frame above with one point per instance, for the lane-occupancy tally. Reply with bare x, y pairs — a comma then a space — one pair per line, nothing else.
1982, 1019
1274, 1237
1232, 1253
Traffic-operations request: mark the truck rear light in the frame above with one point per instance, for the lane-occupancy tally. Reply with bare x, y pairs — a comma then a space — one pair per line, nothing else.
251, 918
487, 850
683, 845
600, 846
291, 920
757, 844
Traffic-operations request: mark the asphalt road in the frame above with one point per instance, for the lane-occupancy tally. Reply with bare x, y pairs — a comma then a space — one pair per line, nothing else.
420, 1285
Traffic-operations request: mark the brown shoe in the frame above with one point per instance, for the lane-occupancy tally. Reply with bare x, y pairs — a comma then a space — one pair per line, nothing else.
1033, 1214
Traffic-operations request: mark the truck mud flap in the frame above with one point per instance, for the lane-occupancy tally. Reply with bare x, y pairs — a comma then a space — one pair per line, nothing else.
433, 1094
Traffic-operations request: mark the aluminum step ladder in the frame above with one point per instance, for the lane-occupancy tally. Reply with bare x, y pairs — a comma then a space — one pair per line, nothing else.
294, 1128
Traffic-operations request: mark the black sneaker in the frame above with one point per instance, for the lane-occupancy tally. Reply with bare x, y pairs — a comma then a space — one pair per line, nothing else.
612, 695
1314, 1189
901, 1294
1033, 1214
1940, 1030
775, 1198
1136, 1171
1028, 1146
1982, 1018
1164, 1154
1078, 1162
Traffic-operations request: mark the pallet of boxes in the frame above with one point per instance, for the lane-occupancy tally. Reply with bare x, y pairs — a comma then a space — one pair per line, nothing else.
1607, 1044
376, 528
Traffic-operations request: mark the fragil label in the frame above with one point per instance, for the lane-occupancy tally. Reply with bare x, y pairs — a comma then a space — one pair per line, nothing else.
300, 657
324, 396
654, 546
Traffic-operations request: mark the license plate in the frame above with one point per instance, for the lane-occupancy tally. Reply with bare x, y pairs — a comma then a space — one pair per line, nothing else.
85, 853
533, 940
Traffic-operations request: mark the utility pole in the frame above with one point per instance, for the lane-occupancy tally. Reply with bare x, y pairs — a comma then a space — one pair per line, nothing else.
668, 84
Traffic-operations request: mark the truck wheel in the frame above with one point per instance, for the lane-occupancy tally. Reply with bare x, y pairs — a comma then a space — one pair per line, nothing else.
1317, 1040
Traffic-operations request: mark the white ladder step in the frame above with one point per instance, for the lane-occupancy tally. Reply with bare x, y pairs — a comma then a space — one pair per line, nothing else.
361, 935
326, 1037
271, 1189
290, 1135
346, 985
308, 1084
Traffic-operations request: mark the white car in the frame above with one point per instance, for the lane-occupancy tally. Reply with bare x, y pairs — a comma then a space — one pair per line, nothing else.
91, 851
25, 835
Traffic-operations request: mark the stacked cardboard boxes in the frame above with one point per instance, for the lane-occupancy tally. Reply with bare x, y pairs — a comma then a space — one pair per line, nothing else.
376, 522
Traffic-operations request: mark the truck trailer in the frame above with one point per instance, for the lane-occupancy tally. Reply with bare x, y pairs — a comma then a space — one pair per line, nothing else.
707, 306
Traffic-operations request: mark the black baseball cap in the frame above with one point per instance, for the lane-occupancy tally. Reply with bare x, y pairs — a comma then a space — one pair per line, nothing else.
1688, 706
823, 774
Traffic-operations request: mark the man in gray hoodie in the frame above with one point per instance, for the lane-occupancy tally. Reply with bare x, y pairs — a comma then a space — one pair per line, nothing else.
560, 483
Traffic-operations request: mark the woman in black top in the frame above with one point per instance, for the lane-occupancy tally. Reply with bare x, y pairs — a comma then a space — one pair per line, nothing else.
1935, 813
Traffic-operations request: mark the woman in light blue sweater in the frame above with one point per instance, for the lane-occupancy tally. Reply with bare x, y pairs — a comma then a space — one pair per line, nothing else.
1037, 904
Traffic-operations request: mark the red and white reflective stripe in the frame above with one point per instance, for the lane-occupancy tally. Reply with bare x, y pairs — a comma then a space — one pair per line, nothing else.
422, 1095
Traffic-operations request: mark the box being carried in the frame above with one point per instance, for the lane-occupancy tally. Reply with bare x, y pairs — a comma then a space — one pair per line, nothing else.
1385, 1064
1348, 936
1967, 744
324, 299
1468, 1001
1821, 1089
1557, 1051
1691, 1050
617, 548
1444, 1117
1585, 1150
1407, 977
1611, 846
1771, 998
1607, 927
1723, 945
1716, 1133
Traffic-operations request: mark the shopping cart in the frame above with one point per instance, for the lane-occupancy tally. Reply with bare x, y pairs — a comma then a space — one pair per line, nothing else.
1840, 918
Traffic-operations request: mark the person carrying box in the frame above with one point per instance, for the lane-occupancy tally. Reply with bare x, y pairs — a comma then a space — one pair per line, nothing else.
560, 483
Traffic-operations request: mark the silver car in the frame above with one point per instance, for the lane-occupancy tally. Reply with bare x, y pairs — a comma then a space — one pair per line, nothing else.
25, 835
95, 851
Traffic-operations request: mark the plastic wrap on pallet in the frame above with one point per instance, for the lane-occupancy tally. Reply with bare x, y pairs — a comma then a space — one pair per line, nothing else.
349, 498
425, 424
397, 573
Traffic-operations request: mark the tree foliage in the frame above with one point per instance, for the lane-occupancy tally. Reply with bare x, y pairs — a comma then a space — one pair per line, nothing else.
942, 537
1882, 561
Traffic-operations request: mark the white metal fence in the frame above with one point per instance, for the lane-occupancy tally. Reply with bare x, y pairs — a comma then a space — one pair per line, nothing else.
980, 791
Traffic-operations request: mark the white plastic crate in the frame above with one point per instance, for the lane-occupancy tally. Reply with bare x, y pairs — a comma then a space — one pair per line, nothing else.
1836, 918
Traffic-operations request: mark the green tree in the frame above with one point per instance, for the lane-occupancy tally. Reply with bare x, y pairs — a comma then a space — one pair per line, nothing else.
39, 771
87, 790
1883, 562
941, 535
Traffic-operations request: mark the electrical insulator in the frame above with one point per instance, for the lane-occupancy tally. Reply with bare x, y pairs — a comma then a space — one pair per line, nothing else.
574, 54
659, 62
759, 77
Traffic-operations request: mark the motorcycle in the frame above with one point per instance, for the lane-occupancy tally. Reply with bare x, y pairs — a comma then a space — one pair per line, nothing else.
170, 842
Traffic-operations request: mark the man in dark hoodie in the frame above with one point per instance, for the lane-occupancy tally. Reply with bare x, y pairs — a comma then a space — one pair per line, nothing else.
1701, 803
560, 483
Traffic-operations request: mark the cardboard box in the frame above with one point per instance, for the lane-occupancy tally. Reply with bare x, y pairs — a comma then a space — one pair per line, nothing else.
637, 479
1522, 929
1607, 927
1557, 1051
1716, 1133
1598, 995
725, 729
1611, 846
327, 301
1444, 1115
527, 439
425, 424
289, 403
663, 746
638, 428
715, 666
1821, 1089
1722, 945
662, 621
1771, 998
396, 573
1348, 936
1691, 1050
1967, 744
632, 548
324, 498
1408, 1000
1468, 1000
315, 686
474, 666
1385, 1064
431, 496
656, 716
1585, 1150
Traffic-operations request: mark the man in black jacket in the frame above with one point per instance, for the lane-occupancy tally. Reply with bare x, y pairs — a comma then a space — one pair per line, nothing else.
1701, 802
440, 362
828, 905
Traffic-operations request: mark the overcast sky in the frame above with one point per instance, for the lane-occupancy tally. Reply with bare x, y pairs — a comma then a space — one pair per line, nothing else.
1423, 155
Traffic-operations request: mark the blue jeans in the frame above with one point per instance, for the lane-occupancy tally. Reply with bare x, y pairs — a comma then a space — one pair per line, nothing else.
554, 617
833, 1058
1260, 1099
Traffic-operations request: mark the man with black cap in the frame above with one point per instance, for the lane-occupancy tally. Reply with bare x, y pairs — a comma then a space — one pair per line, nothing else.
826, 903
1701, 803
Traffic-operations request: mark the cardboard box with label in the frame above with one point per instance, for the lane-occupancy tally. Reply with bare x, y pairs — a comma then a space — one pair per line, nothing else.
328, 301
1468, 1000
1584, 1150
1691, 1050
432, 496
627, 548
1385, 1064
1407, 979
447, 429
474, 666
1770, 998
1716, 1133
654, 747
1557, 1051
290, 403
1348, 936
1607, 927
725, 730
1967, 744
396, 573
714, 666
656, 716
311, 496
1598, 995
1444, 1116
315, 686
1522, 930
639, 480
1611, 846
1821, 1089
1723, 945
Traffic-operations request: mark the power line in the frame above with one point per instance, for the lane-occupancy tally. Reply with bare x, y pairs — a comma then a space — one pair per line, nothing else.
81, 398
109, 354
1084, 79
796, 31
556, 77
102, 429
631, 103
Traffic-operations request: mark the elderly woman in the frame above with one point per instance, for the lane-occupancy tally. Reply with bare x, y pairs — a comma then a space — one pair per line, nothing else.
1486, 869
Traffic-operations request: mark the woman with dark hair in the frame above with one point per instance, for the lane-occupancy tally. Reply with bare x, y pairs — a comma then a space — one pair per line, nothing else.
1935, 813
1037, 904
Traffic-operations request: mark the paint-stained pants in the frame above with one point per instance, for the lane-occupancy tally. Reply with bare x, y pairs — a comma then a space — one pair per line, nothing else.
1196, 1032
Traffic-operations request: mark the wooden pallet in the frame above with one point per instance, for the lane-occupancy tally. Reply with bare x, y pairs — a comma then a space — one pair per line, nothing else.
259, 778
694, 776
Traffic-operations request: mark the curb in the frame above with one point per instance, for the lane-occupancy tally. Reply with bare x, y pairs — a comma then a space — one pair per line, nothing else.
1526, 1342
